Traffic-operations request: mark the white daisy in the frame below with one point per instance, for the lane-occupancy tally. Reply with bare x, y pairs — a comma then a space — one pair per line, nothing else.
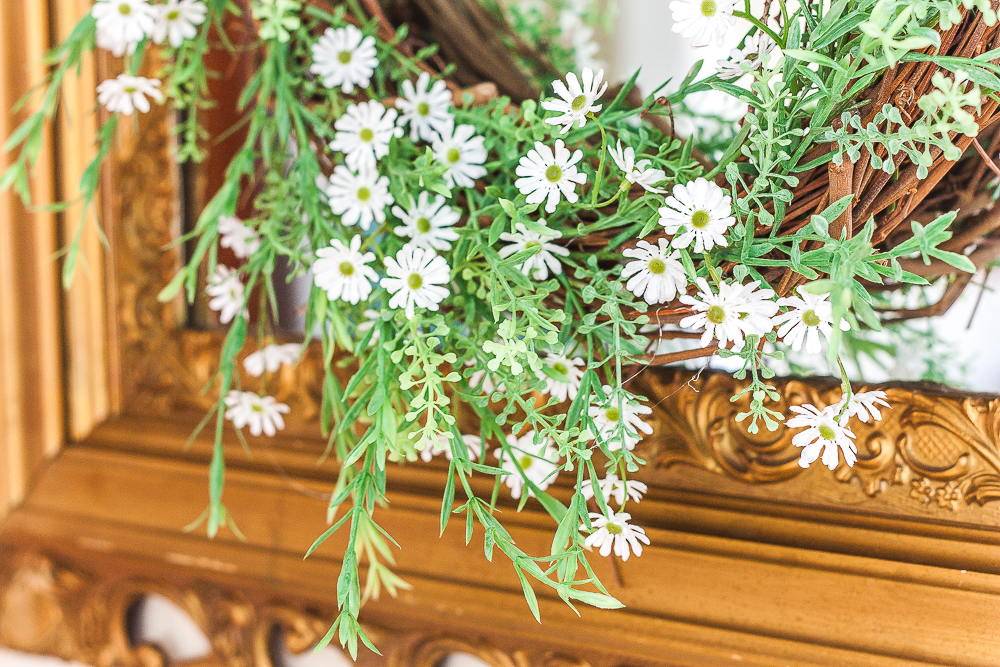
561, 375
758, 308
755, 49
414, 279
364, 133
124, 94
344, 272
261, 413
610, 411
428, 223
462, 152
657, 274
473, 443
226, 290
822, 434
426, 108
807, 317
863, 405
702, 210
577, 100
547, 174
615, 489
122, 24
271, 358
718, 313
703, 21
176, 21
641, 173
615, 532
234, 234
538, 463
360, 198
538, 265
344, 57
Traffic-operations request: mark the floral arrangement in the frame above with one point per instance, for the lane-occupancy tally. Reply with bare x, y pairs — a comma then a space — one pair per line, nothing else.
522, 258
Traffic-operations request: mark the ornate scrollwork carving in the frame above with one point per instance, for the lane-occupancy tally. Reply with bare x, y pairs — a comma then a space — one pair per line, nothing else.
943, 446
49, 608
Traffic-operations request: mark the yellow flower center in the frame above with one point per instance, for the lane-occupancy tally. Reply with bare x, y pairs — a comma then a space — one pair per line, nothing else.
454, 155
257, 408
716, 315
525, 462
344, 57
173, 16
810, 318
346, 268
657, 266
708, 8
699, 219
423, 225
124, 9
614, 528
364, 194
578, 102
130, 89
366, 134
826, 432
553, 174
560, 367
415, 281
612, 414
423, 108
531, 244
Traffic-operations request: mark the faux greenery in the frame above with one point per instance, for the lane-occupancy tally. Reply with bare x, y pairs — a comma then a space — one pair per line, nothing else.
505, 338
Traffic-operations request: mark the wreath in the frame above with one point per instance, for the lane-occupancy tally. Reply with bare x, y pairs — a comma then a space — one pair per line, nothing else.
484, 223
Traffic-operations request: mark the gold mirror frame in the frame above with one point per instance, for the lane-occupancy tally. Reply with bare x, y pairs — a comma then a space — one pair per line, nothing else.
753, 560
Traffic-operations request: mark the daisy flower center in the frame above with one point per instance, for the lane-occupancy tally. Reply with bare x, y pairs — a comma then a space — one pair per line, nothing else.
366, 134
614, 528
827, 433
531, 244
415, 281
810, 318
657, 266
553, 173
699, 219
560, 367
708, 8
174, 15
344, 57
525, 462
454, 155
346, 269
423, 225
423, 108
130, 89
124, 9
364, 194
612, 414
257, 408
716, 315
578, 102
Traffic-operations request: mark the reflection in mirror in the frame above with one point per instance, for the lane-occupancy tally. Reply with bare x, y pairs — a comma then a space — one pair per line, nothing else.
157, 621
329, 656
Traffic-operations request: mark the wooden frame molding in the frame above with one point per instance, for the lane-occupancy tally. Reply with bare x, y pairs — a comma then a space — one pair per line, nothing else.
753, 561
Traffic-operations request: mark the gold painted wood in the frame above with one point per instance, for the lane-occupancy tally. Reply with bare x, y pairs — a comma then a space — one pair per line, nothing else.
31, 401
753, 560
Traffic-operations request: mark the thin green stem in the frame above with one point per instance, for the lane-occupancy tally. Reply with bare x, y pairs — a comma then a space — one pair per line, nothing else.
600, 165
773, 35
